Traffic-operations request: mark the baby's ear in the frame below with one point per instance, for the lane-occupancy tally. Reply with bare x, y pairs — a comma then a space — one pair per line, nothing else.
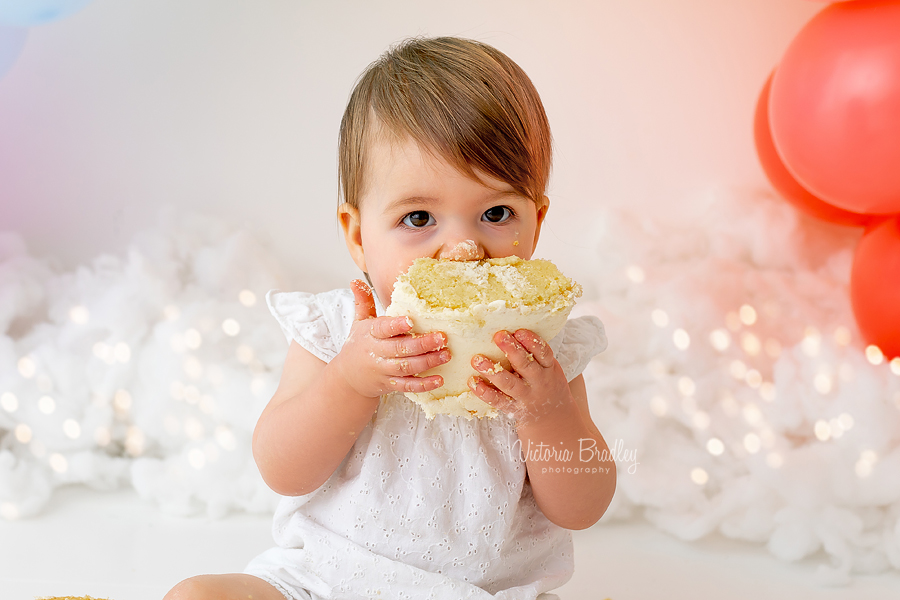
542, 207
348, 215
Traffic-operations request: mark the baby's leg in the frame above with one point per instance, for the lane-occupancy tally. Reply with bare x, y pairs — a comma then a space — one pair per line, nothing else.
224, 587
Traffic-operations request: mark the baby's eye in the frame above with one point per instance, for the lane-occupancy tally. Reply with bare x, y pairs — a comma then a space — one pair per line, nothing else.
497, 214
418, 218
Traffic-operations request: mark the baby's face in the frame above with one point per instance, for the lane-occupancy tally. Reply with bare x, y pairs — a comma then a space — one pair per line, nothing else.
417, 205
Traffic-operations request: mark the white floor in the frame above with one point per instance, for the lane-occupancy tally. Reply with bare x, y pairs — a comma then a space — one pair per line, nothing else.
119, 547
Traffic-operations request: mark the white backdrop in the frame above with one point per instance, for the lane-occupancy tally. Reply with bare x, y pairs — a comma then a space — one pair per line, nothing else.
232, 108
735, 377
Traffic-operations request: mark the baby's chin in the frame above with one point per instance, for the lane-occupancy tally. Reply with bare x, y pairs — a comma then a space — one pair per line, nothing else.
382, 298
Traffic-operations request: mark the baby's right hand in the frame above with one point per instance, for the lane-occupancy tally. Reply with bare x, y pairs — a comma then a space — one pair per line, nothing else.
380, 356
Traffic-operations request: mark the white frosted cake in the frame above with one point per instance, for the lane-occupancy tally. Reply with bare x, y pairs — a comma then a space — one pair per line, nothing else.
470, 301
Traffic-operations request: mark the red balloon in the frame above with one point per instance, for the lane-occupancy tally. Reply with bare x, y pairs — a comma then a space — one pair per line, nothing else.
781, 178
875, 286
834, 108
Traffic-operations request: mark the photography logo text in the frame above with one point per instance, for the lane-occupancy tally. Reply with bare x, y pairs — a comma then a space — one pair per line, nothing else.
567, 460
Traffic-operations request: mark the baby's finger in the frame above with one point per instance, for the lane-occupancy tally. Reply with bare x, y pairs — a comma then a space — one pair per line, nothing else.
387, 327
416, 384
508, 383
536, 346
520, 359
415, 344
416, 364
493, 396
363, 299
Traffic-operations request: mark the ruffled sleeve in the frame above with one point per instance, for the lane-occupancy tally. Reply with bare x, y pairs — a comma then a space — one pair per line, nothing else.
320, 323
580, 340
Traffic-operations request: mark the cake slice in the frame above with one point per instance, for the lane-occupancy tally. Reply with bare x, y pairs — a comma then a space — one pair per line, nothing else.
470, 301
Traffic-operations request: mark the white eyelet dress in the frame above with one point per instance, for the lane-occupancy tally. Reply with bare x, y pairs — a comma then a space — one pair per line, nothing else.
419, 509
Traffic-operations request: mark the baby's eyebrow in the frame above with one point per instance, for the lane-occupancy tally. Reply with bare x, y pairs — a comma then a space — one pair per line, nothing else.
412, 201
425, 201
502, 194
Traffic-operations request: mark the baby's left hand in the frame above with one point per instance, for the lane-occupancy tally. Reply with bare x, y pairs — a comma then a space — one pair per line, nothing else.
535, 387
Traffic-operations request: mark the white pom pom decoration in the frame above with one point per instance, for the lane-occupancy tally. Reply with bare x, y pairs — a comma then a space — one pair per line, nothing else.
149, 369
737, 375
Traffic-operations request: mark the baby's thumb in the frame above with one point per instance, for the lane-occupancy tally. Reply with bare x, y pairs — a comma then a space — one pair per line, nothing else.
365, 302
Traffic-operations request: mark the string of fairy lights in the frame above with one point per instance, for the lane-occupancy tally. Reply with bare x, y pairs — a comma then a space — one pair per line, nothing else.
748, 357
50, 425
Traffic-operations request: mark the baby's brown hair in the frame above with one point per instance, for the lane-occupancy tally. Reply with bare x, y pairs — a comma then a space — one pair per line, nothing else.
463, 100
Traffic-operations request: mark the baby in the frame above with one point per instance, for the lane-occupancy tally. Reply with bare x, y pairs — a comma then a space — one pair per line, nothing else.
445, 152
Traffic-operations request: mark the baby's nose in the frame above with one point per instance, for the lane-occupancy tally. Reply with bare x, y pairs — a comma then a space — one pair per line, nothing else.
464, 250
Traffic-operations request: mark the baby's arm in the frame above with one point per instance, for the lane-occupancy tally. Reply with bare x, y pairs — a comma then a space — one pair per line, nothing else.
572, 475
319, 409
